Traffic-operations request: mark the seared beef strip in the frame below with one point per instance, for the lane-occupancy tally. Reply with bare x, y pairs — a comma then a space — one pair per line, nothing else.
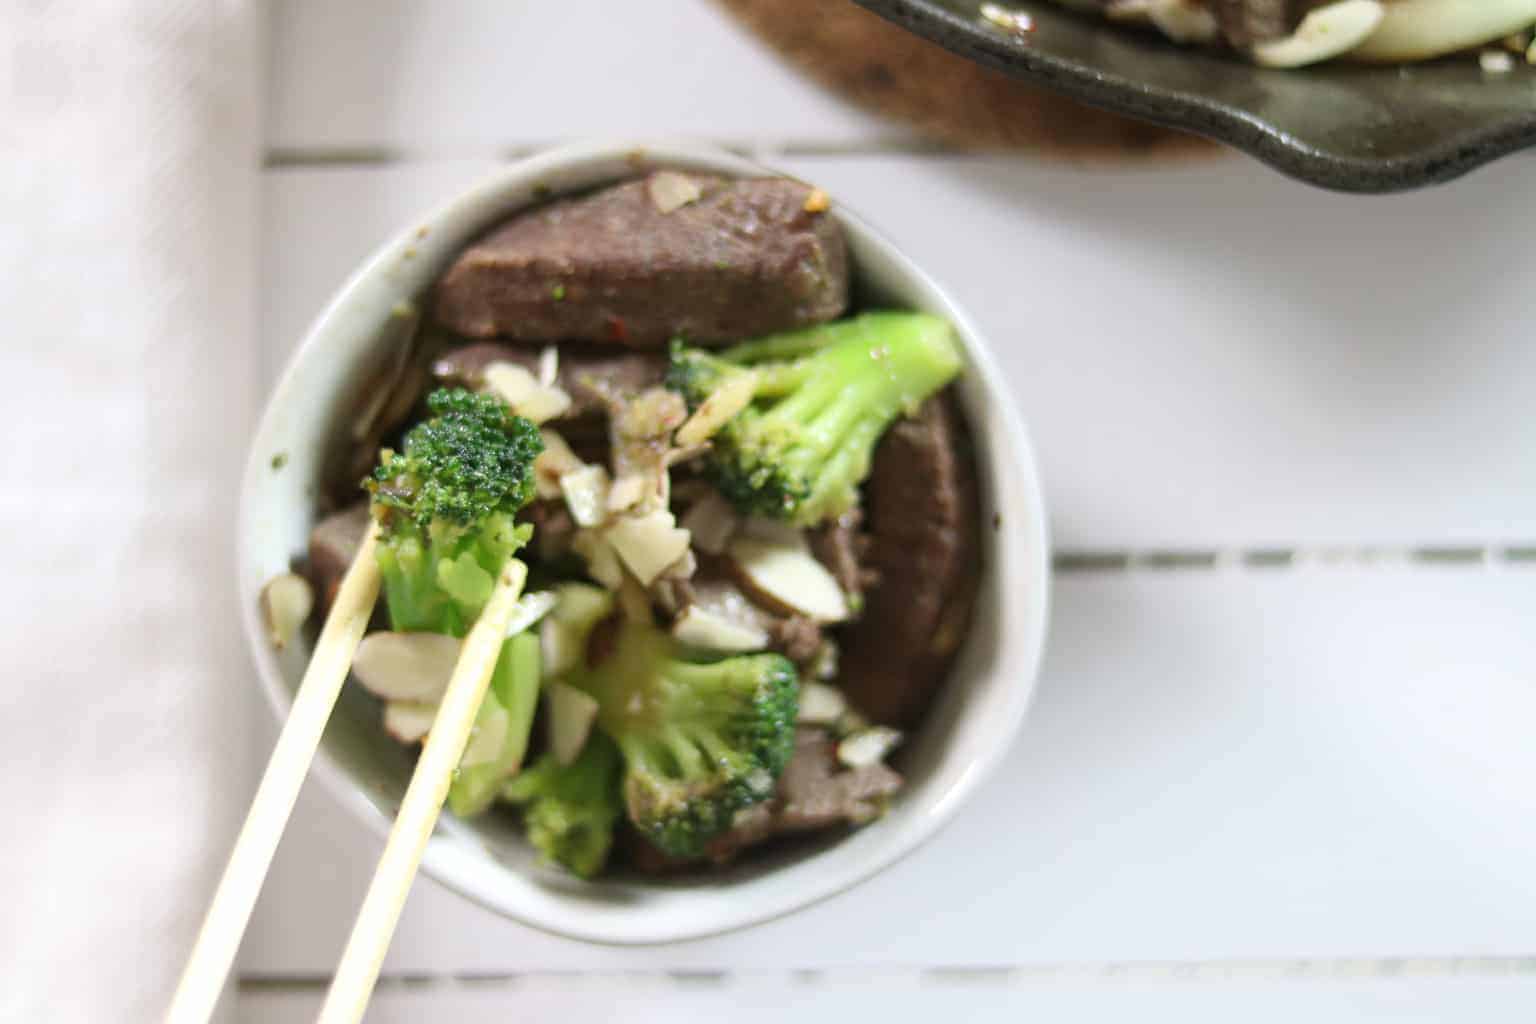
747, 257
921, 507
1245, 22
587, 373
841, 546
796, 637
333, 543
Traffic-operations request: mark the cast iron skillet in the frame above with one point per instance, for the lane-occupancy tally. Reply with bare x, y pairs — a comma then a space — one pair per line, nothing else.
1352, 128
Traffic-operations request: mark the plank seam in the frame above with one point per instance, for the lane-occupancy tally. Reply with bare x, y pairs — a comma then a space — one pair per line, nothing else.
1269, 559
364, 155
1171, 972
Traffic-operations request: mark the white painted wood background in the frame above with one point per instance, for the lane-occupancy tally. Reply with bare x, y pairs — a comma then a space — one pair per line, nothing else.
1280, 766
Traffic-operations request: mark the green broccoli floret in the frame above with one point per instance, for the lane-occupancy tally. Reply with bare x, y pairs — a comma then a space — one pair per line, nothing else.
446, 507
569, 811
821, 400
700, 739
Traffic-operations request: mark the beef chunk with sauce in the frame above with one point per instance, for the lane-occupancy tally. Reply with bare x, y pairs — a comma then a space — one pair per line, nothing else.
626, 265
921, 517
586, 372
333, 544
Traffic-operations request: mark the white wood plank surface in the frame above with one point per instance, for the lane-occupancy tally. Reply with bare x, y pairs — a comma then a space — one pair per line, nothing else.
899, 999
1222, 765
485, 75
1208, 356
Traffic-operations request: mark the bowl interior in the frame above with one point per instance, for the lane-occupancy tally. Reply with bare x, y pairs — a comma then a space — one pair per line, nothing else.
486, 859
1356, 128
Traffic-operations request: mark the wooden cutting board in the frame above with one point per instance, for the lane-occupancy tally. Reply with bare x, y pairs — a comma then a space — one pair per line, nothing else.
943, 96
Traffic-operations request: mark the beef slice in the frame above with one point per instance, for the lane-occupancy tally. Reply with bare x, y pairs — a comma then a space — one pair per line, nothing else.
921, 517
588, 373
620, 266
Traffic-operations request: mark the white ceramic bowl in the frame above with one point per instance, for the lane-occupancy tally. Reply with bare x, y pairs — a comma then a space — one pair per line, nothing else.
964, 737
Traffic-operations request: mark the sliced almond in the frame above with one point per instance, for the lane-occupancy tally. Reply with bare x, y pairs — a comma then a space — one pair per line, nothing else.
286, 602
1325, 33
552, 463
586, 494
487, 737
672, 191
710, 521
521, 390
1496, 62
509, 382
408, 720
544, 405
683, 568
581, 604
867, 747
1122, 10
561, 648
571, 714
820, 704
648, 543
1184, 21
787, 578
732, 396
699, 627
530, 609
602, 561
627, 491
1421, 29
406, 666
549, 366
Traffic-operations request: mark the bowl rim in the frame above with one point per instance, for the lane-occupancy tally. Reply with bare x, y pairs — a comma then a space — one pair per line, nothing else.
559, 915
1249, 132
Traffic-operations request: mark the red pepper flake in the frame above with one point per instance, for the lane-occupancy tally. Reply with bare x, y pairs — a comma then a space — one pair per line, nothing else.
617, 331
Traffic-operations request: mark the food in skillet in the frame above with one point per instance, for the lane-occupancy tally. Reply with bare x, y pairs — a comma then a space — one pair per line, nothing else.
1296, 33
751, 528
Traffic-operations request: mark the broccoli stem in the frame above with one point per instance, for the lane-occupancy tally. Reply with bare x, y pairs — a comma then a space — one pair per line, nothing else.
513, 693
446, 507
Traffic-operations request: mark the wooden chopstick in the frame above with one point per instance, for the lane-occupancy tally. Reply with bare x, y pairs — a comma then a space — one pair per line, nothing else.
375, 925
202, 980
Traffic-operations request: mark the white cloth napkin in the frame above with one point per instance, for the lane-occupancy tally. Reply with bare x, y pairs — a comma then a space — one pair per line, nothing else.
128, 201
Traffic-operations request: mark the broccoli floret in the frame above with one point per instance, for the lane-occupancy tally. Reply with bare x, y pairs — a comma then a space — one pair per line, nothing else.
569, 811
821, 399
446, 507
700, 739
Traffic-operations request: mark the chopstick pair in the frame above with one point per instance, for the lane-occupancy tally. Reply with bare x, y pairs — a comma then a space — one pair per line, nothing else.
203, 978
